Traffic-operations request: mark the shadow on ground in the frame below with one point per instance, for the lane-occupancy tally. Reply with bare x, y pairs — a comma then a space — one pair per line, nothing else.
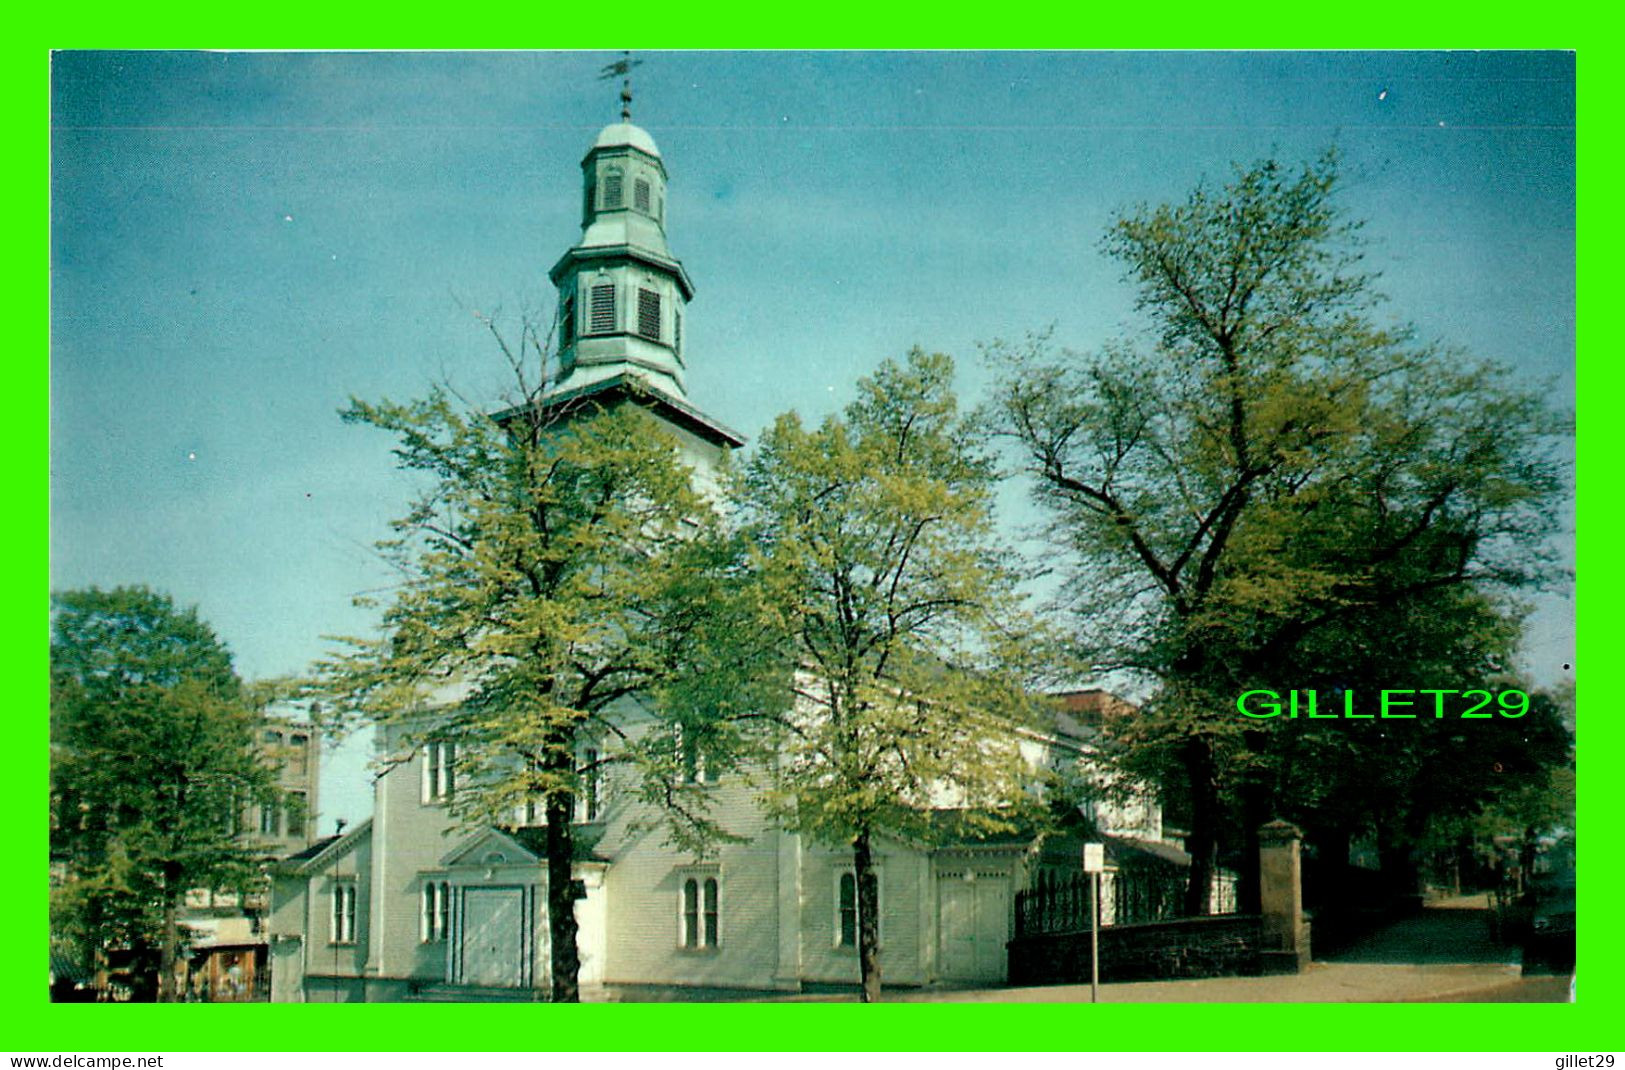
1454, 933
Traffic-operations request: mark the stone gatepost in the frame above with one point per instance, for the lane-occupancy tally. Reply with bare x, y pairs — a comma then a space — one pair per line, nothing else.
1285, 947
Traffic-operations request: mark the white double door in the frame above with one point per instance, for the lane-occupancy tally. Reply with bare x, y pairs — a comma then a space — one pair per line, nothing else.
973, 924
493, 937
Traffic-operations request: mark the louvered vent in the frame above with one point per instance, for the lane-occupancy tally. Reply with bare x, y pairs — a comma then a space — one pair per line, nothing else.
612, 190
603, 308
640, 195
649, 314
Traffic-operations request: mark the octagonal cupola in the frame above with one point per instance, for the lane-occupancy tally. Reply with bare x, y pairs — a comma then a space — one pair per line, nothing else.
621, 293
624, 189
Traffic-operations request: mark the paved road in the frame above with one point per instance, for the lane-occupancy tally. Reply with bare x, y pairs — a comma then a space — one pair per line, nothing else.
1453, 931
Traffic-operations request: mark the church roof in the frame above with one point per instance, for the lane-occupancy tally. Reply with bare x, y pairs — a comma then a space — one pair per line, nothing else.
310, 859
609, 242
617, 134
634, 387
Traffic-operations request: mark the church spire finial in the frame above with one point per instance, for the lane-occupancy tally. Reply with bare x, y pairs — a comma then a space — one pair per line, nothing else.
622, 69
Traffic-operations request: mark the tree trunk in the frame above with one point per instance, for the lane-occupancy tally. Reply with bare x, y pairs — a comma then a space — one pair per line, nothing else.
561, 899
172, 936
1256, 809
1203, 844
868, 917
1258, 796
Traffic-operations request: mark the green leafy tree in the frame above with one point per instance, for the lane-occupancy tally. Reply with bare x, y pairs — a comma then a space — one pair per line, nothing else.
878, 566
1408, 782
563, 583
153, 761
1270, 467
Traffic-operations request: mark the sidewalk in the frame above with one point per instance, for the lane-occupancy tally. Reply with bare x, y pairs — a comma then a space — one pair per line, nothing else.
1322, 982
1443, 954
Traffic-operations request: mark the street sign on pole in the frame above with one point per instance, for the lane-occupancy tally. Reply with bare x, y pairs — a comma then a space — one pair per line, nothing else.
1094, 862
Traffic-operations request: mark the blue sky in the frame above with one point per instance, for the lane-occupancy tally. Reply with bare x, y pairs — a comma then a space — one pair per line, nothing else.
241, 241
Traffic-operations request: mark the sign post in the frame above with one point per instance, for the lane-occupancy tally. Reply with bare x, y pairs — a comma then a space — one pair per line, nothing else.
1094, 861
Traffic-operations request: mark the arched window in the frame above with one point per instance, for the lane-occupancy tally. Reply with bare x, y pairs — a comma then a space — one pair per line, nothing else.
439, 771
343, 921
589, 785
846, 908
691, 912
700, 906
436, 911
709, 895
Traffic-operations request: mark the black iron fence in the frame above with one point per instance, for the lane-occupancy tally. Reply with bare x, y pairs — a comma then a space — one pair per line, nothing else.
1060, 907
1128, 897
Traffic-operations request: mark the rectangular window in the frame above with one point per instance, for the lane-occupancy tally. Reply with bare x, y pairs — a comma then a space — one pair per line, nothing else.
700, 910
298, 808
612, 190
268, 819
439, 776
603, 308
846, 908
567, 322
298, 757
589, 785
649, 314
696, 763
343, 931
640, 194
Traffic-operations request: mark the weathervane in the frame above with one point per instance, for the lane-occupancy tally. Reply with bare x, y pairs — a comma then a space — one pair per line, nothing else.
622, 69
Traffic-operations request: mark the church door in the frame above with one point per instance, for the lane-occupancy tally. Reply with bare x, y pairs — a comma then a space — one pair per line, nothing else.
493, 936
973, 926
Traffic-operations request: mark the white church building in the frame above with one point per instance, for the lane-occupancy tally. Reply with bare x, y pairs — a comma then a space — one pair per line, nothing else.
413, 905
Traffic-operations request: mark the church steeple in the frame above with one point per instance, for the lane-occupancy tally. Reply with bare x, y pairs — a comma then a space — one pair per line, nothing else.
621, 293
